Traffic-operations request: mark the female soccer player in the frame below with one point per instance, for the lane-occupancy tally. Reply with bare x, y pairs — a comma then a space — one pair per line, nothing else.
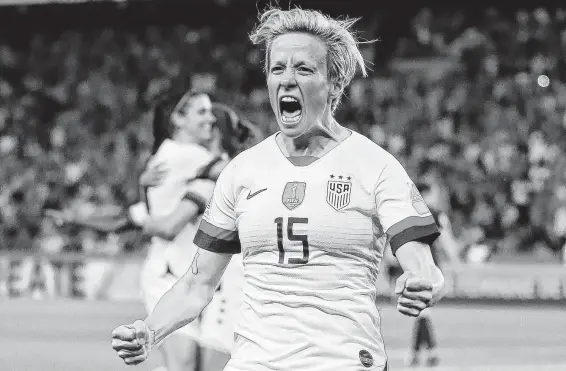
177, 182
311, 208
183, 127
171, 205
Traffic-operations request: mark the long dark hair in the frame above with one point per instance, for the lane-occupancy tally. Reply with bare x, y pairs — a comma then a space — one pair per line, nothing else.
237, 132
173, 102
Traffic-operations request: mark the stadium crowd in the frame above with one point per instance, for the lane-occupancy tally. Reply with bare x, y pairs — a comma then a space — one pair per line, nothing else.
476, 110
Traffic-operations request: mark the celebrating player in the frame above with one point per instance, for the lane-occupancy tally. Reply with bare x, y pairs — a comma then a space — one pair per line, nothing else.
177, 182
311, 208
186, 123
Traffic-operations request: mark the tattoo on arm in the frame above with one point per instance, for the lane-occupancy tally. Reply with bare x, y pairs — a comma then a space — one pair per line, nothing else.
194, 265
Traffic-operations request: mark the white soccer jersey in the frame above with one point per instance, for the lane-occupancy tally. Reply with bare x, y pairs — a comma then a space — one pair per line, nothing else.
169, 260
312, 238
183, 161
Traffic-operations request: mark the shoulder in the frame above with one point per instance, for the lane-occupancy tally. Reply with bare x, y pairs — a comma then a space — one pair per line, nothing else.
371, 151
371, 157
248, 165
255, 156
172, 151
186, 158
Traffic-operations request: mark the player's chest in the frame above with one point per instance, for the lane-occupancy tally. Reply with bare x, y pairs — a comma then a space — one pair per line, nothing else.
306, 214
337, 192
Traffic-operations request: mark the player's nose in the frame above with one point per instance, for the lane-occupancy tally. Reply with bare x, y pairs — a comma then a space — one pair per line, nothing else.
288, 78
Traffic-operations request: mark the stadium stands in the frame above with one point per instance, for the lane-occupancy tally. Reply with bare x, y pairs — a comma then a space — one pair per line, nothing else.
474, 106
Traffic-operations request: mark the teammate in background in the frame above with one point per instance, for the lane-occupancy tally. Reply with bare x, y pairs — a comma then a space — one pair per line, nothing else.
186, 125
187, 157
311, 208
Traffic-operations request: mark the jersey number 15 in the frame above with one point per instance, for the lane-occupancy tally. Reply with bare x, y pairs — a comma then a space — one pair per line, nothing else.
292, 237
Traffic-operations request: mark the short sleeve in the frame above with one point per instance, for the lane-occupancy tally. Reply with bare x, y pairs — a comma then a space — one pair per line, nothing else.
217, 230
401, 210
199, 191
204, 172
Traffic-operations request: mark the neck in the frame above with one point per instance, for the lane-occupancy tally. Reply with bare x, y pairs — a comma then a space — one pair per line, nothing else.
315, 141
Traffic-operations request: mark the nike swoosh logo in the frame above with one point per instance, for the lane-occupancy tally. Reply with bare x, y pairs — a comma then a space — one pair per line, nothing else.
250, 195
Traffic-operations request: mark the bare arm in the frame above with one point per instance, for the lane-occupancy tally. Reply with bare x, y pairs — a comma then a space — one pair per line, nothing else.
189, 296
416, 259
414, 256
114, 221
107, 223
167, 227
217, 169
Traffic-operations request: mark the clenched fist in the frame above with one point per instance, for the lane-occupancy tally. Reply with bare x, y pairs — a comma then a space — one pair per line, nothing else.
418, 291
133, 342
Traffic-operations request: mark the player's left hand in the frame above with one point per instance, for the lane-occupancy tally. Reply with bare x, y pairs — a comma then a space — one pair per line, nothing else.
419, 290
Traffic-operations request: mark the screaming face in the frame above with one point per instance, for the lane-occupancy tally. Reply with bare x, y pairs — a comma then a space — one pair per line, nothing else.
291, 109
297, 80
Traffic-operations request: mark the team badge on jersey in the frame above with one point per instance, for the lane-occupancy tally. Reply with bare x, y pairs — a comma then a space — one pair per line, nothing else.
417, 200
338, 191
293, 194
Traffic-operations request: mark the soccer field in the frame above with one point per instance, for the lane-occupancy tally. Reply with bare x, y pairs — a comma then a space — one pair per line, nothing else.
75, 336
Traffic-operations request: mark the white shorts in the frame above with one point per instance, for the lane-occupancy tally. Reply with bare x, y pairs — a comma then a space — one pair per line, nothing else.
221, 315
215, 328
154, 284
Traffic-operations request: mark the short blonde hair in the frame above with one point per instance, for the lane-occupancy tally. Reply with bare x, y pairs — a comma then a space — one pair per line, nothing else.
344, 56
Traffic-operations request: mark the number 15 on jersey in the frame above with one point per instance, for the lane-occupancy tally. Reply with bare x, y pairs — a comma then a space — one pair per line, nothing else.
290, 236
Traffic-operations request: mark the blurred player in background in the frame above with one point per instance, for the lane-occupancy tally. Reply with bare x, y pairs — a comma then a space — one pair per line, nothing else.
174, 204
445, 252
311, 208
193, 139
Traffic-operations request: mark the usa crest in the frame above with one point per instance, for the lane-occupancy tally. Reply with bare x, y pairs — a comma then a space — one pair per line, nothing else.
417, 200
294, 194
338, 192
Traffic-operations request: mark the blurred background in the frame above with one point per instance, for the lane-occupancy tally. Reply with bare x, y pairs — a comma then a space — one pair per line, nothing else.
470, 99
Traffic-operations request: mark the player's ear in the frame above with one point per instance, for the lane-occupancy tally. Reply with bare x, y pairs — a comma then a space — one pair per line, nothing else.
175, 119
336, 89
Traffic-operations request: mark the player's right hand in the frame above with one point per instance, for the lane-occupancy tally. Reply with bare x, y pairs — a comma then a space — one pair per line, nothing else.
153, 174
133, 342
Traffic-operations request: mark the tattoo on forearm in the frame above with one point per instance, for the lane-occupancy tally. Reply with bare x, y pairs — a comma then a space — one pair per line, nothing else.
194, 265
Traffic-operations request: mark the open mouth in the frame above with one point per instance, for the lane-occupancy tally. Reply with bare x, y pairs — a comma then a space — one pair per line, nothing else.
291, 109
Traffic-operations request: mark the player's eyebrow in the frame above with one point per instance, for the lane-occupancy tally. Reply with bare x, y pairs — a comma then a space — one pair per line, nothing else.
307, 64
276, 63
295, 64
